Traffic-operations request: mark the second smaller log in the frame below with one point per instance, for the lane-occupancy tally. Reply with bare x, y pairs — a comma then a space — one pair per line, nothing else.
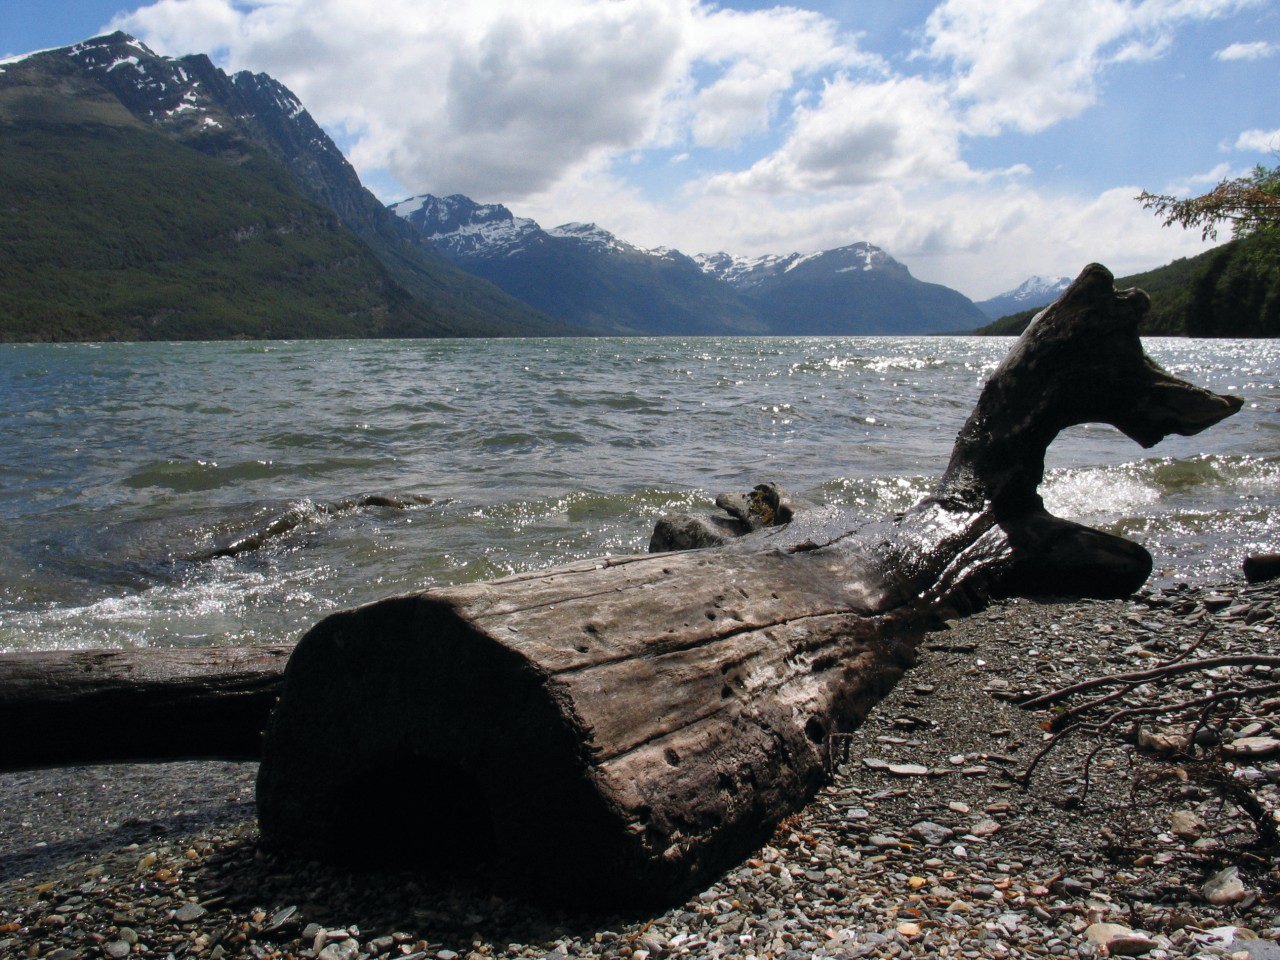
1260, 567
107, 706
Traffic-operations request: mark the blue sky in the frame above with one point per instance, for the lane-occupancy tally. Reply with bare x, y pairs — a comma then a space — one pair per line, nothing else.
977, 142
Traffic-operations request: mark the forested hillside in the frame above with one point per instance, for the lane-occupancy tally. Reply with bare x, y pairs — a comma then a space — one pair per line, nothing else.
153, 198
1229, 291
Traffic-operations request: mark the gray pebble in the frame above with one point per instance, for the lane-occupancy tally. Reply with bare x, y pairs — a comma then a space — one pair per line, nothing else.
189, 913
934, 834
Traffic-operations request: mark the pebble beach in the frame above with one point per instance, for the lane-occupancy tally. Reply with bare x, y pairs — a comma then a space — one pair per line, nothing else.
955, 824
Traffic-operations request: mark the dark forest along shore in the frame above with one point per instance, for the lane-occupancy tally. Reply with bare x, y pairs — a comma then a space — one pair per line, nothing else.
233, 493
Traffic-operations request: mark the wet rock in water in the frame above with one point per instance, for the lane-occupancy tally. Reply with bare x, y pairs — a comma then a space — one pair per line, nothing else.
768, 505
684, 532
1259, 567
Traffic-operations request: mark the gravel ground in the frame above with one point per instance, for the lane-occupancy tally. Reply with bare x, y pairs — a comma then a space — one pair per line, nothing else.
930, 840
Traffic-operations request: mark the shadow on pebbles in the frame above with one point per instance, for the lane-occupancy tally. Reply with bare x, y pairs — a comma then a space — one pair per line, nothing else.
1143, 832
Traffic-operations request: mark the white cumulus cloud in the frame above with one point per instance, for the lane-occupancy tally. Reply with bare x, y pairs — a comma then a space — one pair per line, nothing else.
1030, 64
1258, 50
1266, 141
505, 98
860, 133
495, 98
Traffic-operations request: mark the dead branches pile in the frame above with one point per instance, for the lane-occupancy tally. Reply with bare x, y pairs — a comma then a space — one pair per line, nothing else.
1211, 705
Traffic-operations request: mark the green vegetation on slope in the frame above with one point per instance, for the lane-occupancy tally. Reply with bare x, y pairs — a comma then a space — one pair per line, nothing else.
1228, 291
147, 197
115, 232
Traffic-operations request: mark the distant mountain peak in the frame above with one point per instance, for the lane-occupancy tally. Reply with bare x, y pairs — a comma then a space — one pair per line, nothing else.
745, 273
597, 237
1037, 291
466, 229
462, 227
1039, 286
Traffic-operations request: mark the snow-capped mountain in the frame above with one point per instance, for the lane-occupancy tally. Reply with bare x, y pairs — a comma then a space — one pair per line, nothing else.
601, 240
748, 272
253, 164
856, 289
579, 272
584, 274
1031, 294
461, 227
464, 228
192, 100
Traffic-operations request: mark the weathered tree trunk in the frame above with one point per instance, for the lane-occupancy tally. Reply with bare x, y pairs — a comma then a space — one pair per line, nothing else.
623, 729
110, 705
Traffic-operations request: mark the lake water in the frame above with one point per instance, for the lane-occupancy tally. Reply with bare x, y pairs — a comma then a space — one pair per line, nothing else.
127, 466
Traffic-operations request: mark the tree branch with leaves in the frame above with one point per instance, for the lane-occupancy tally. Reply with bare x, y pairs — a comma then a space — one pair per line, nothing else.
1251, 204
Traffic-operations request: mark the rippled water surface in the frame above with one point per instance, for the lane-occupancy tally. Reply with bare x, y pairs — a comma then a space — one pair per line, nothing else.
133, 473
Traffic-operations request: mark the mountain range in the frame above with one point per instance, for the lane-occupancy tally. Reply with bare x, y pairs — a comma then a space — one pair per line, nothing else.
580, 273
583, 274
150, 197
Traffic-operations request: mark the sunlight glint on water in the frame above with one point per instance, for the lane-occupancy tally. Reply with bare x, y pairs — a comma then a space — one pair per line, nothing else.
129, 462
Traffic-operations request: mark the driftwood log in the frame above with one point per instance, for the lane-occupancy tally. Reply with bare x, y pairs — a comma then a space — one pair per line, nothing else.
95, 706
622, 729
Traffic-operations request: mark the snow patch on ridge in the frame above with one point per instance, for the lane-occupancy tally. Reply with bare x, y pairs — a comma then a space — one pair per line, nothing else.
463, 226
591, 234
746, 272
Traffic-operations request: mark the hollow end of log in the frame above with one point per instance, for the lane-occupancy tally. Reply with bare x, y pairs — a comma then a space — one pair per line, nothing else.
416, 740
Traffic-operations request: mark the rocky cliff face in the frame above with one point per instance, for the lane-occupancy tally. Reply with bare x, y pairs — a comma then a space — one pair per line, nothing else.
193, 101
